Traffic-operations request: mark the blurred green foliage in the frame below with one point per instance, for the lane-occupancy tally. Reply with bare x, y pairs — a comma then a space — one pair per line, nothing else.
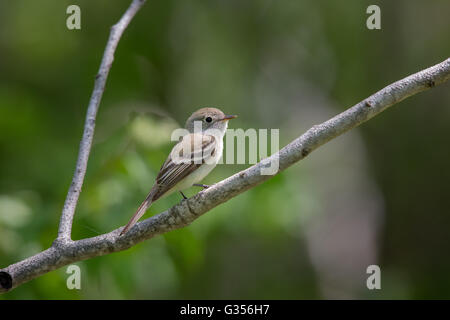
272, 62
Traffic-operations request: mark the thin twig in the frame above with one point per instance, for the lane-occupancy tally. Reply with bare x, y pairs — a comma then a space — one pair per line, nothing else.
65, 224
182, 214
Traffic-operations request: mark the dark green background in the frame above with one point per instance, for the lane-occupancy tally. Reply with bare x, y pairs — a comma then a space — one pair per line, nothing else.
377, 195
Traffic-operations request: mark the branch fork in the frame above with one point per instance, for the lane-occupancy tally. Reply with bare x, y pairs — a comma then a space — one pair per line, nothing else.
65, 251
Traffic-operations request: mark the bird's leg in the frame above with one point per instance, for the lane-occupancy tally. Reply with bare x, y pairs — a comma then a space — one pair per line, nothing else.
204, 186
184, 197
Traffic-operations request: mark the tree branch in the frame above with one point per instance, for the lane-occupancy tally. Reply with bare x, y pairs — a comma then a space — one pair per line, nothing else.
66, 220
64, 252
65, 224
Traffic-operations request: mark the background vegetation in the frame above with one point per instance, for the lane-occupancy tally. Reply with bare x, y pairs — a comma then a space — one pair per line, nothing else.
377, 195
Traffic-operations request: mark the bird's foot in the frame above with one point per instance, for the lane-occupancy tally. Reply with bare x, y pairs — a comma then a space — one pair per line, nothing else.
204, 186
184, 197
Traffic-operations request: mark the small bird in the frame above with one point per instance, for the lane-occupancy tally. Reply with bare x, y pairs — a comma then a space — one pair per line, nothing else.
190, 160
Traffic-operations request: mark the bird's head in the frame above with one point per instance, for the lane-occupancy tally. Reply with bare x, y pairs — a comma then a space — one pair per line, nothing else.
209, 118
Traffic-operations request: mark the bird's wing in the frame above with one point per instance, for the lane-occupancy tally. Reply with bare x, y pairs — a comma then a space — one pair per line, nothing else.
186, 157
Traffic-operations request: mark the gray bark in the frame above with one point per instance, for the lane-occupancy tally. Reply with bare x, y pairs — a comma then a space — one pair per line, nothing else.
65, 251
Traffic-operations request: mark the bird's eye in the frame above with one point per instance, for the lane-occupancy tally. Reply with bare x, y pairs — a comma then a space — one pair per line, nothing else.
208, 119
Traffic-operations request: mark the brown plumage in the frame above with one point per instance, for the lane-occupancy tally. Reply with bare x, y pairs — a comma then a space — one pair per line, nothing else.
200, 160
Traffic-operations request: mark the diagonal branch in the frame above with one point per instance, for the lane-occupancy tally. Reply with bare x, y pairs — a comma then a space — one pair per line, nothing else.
182, 214
65, 224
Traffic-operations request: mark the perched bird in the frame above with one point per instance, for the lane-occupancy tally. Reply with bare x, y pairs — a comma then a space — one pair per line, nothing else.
190, 160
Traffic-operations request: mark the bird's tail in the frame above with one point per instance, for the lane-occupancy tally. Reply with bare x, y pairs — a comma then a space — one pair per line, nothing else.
140, 212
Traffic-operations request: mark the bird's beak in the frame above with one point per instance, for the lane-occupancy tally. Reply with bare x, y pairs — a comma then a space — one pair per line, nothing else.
228, 117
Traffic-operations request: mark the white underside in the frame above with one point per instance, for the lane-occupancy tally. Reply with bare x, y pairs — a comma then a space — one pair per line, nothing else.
194, 177
201, 172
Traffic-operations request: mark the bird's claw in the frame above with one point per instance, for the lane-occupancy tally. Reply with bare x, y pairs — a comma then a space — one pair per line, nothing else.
204, 186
